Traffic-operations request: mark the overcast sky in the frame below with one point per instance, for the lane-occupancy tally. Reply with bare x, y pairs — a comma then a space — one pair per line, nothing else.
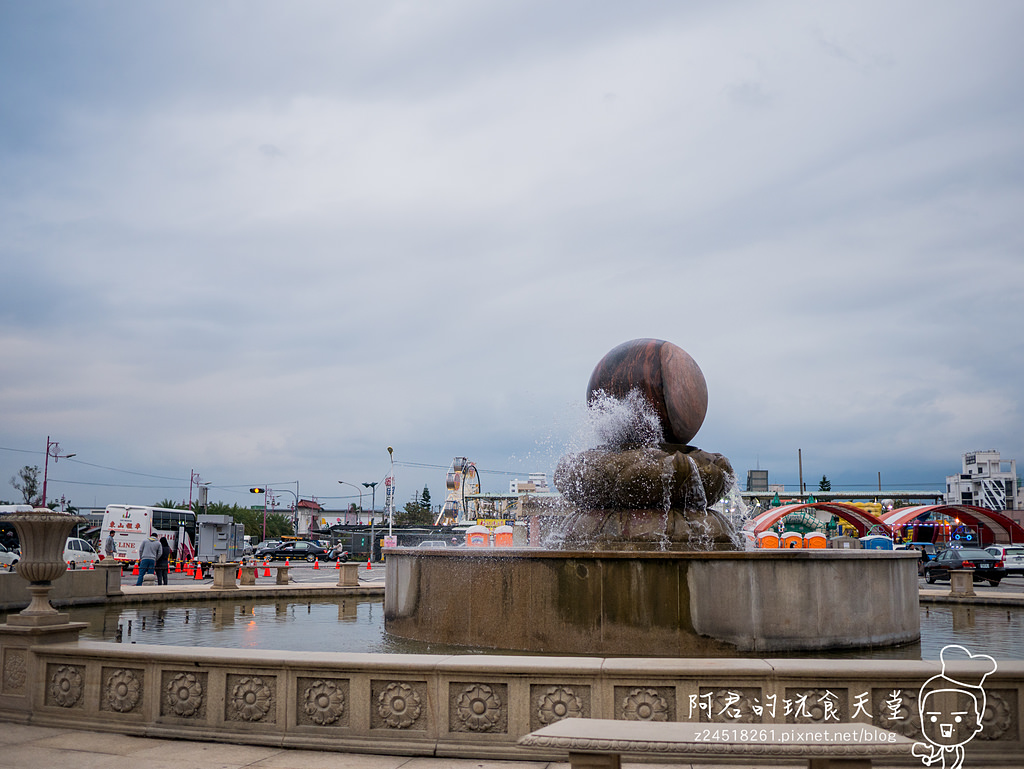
265, 241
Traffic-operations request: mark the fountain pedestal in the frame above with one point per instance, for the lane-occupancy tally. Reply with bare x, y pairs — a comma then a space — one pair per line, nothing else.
672, 604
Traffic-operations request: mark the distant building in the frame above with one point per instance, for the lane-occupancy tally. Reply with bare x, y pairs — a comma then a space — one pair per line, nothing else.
538, 483
307, 516
986, 480
757, 480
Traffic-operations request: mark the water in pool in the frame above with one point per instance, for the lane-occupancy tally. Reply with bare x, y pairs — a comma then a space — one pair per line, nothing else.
357, 625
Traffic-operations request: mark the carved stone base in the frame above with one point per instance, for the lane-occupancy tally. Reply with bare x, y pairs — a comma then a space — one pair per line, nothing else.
643, 530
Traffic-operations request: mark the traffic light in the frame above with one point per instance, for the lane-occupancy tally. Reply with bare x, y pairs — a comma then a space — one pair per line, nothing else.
257, 490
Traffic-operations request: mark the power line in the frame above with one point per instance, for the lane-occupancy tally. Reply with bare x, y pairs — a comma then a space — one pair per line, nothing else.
445, 467
21, 451
116, 485
128, 472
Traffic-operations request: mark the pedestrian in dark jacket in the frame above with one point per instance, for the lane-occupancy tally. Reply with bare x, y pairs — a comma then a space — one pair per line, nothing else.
161, 562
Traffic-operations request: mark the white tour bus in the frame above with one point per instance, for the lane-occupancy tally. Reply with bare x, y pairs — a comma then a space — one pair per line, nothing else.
132, 524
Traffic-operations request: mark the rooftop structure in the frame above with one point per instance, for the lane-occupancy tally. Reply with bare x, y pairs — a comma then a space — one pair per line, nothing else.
985, 480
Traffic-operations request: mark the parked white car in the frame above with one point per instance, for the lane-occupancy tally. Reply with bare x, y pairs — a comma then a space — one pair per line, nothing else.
79, 552
1012, 555
8, 558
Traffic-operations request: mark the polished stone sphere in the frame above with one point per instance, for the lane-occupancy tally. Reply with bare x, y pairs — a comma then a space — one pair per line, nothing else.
665, 375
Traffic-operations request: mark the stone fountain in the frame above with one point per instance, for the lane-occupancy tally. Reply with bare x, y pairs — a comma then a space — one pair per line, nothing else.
646, 488
643, 564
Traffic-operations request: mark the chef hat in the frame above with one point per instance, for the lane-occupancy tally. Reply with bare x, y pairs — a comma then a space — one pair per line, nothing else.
970, 670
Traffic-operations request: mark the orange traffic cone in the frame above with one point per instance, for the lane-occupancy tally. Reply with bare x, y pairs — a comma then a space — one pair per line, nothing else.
266, 568
198, 572
286, 563
367, 564
316, 564
337, 564
135, 570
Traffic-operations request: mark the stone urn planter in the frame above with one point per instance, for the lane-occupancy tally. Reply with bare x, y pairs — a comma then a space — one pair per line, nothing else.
43, 533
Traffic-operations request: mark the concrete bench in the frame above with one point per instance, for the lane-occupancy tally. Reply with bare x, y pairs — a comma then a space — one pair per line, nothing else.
594, 743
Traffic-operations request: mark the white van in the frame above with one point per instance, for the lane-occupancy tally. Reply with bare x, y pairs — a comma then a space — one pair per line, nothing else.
80, 553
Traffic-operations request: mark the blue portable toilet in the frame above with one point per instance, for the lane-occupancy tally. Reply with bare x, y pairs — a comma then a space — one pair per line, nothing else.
876, 542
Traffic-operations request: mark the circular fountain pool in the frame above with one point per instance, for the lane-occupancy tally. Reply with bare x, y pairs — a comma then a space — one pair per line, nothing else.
356, 625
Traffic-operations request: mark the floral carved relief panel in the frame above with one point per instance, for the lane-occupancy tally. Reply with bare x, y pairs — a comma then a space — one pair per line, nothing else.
398, 705
15, 671
121, 689
478, 707
322, 701
65, 685
549, 704
645, 703
251, 699
183, 694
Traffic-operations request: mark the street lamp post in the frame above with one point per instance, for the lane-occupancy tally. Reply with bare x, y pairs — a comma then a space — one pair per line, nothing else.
52, 450
372, 485
360, 497
391, 510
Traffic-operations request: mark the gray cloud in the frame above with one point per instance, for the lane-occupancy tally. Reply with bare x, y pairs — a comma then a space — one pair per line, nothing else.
268, 246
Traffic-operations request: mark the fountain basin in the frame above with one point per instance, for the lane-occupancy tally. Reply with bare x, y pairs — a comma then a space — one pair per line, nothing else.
682, 604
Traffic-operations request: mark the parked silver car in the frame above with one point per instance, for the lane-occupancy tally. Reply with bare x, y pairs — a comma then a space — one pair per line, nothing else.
1012, 555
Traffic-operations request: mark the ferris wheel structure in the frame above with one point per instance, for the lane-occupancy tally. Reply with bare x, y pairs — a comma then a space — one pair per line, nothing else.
462, 482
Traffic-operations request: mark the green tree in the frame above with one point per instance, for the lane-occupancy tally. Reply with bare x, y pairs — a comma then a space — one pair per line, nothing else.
425, 499
27, 482
278, 526
824, 484
415, 513
171, 504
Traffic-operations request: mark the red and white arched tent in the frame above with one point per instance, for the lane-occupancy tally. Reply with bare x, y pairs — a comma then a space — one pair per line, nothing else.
860, 519
993, 527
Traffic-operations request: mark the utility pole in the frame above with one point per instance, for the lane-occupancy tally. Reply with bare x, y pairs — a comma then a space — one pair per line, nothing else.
800, 462
53, 450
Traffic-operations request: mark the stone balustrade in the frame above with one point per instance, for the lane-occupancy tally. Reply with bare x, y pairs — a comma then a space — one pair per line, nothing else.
473, 705
76, 587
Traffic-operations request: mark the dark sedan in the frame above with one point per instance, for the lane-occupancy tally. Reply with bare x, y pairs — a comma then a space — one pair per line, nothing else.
984, 565
294, 551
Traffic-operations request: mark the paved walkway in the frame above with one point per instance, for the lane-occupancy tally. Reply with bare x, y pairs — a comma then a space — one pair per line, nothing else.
40, 747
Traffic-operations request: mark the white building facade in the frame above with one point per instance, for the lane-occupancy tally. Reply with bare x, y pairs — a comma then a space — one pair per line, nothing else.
538, 483
986, 480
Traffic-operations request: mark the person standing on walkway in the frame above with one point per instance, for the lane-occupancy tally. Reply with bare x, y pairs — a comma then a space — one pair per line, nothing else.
109, 547
161, 562
148, 554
